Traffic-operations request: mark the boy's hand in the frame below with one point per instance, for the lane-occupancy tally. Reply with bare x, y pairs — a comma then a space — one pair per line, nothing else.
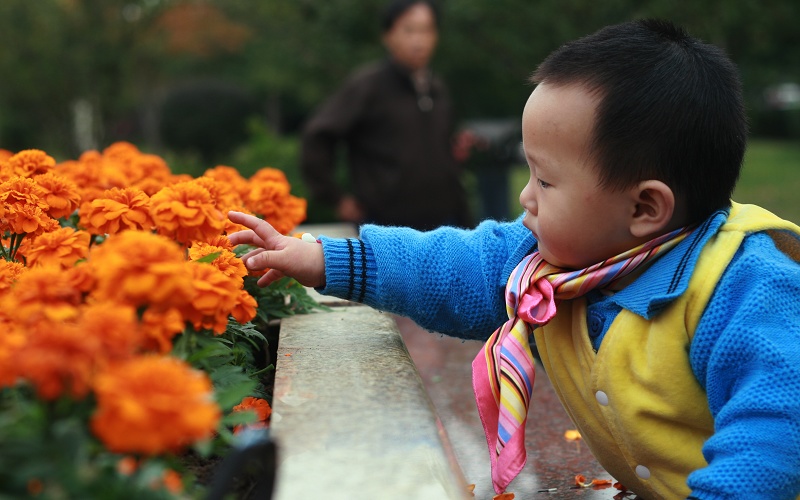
283, 255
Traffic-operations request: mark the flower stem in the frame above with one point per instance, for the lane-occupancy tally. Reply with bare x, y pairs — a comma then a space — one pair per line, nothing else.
16, 242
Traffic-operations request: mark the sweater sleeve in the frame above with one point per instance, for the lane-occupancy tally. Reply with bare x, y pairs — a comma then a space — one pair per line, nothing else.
746, 354
447, 280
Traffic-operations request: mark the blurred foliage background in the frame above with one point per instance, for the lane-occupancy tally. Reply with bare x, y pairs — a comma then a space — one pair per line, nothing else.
206, 82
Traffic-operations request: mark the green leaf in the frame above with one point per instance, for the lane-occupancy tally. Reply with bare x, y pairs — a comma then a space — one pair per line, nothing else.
204, 448
209, 351
240, 417
208, 258
231, 385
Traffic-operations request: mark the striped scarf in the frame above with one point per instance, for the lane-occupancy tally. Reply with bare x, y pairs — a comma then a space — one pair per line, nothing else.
503, 372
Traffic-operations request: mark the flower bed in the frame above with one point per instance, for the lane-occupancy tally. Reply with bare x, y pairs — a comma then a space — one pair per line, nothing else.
134, 343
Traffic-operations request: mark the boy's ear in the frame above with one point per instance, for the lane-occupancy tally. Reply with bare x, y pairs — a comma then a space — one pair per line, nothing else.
654, 207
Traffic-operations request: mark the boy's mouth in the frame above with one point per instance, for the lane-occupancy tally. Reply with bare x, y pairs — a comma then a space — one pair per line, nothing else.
526, 222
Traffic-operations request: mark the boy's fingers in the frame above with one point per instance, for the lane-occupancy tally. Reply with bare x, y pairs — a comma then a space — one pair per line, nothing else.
251, 254
260, 227
259, 259
247, 237
269, 277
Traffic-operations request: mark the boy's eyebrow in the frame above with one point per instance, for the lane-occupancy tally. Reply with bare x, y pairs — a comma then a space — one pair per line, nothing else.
533, 157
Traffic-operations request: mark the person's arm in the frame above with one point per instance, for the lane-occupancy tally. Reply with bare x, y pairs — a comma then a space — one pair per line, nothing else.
449, 280
746, 354
323, 134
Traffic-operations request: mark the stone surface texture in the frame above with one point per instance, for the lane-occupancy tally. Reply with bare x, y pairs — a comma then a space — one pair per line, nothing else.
351, 416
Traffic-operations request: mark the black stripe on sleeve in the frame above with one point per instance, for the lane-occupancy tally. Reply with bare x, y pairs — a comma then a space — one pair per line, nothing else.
352, 284
363, 272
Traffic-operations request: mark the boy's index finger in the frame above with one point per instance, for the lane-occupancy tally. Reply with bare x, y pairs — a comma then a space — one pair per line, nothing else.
262, 228
244, 219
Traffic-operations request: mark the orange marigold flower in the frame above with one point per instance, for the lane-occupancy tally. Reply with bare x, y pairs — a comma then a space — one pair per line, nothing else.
115, 326
160, 327
178, 178
171, 481
292, 212
127, 465
61, 248
245, 308
31, 162
271, 201
264, 197
149, 173
22, 207
221, 241
150, 185
215, 296
141, 268
11, 342
226, 261
42, 294
93, 174
21, 191
28, 219
186, 212
230, 176
231, 227
5, 154
258, 406
9, 273
81, 277
269, 174
60, 193
137, 398
58, 358
86, 173
6, 173
122, 151
225, 195
115, 210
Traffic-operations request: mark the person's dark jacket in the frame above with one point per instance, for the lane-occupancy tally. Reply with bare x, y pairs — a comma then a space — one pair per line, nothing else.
399, 155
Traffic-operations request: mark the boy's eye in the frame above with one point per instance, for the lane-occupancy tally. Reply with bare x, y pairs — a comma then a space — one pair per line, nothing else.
542, 184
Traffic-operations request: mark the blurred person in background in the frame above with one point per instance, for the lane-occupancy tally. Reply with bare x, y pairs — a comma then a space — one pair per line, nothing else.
395, 119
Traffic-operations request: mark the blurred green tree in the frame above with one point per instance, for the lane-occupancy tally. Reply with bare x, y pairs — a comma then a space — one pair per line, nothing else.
77, 73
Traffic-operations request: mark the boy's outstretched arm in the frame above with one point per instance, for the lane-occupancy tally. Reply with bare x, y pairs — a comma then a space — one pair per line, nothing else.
282, 255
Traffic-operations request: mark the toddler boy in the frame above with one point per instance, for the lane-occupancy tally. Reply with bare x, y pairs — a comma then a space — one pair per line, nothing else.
666, 316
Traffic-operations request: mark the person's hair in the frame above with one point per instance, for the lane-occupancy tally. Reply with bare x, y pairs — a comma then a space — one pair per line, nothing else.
670, 108
397, 8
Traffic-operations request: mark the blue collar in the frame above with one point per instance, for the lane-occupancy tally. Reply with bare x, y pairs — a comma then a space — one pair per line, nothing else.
668, 277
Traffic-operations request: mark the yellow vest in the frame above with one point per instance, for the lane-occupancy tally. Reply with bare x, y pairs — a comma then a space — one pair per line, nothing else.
636, 401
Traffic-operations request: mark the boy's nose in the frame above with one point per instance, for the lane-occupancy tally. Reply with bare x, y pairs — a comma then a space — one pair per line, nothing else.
527, 199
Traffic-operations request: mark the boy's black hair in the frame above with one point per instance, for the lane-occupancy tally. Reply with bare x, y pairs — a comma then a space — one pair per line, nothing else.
397, 8
670, 109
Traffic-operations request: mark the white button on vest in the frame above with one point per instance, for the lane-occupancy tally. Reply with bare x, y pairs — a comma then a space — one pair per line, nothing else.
643, 472
601, 397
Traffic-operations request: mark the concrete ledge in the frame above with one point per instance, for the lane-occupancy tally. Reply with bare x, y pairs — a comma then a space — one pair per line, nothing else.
351, 416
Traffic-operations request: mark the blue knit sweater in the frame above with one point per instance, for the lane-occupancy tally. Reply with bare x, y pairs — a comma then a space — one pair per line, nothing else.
745, 352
